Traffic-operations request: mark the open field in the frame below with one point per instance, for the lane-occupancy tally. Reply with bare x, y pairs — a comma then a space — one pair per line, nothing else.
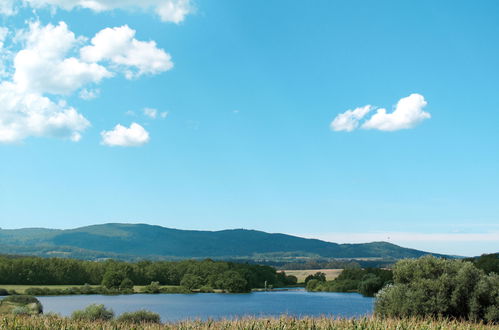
54, 322
331, 274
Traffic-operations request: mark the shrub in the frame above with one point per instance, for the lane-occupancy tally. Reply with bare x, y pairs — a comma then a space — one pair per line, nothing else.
92, 313
178, 289
152, 288
138, 317
206, 289
21, 310
21, 299
126, 284
436, 287
4, 292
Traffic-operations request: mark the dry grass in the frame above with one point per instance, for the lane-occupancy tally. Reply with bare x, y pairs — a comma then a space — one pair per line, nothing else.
331, 274
284, 323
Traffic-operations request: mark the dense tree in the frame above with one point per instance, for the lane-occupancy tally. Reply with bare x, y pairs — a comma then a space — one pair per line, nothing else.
116, 275
436, 287
319, 276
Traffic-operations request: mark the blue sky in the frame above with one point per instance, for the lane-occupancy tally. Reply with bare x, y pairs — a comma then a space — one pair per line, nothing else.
234, 114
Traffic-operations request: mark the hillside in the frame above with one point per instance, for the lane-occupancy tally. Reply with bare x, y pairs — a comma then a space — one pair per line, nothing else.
126, 241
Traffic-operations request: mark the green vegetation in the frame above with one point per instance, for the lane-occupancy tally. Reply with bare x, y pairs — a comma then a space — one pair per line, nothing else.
284, 323
93, 313
117, 277
20, 305
436, 287
489, 263
138, 241
365, 281
139, 317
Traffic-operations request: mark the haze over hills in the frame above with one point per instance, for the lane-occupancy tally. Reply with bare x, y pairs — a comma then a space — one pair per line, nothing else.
132, 241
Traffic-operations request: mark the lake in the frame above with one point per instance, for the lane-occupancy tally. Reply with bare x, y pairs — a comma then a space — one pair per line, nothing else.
176, 307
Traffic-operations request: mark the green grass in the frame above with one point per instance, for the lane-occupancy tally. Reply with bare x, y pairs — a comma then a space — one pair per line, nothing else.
284, 323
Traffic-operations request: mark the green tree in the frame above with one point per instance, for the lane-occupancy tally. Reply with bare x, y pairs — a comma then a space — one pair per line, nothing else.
191, 281
112, 279
436, 287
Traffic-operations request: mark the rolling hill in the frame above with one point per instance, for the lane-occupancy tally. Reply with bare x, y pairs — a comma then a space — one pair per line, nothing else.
133, 241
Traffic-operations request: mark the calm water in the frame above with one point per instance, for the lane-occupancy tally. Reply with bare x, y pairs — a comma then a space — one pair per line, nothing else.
175, 307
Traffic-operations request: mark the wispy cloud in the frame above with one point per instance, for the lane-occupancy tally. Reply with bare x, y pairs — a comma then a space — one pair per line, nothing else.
168, 10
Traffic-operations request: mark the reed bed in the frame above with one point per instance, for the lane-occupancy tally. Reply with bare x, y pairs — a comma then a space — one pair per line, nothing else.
11, 322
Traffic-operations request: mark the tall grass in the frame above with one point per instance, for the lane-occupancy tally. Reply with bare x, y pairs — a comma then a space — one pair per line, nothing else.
284, 323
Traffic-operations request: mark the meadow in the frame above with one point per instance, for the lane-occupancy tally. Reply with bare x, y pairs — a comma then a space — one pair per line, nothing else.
55, 322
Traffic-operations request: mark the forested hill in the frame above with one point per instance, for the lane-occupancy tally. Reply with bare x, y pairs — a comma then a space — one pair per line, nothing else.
127, 241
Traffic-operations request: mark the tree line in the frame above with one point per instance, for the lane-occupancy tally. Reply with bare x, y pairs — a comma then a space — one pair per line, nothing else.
193, 274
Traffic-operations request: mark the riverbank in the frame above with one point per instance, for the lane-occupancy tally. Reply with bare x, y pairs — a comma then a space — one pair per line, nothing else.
56, 322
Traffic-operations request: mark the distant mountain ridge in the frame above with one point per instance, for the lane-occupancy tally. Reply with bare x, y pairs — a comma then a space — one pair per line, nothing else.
128, 241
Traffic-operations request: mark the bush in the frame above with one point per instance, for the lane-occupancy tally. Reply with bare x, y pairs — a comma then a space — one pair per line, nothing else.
178, 289
21, 310
138, 317
436, 287
4, 292
92, 313
152, 288
126, 284
206, 289
21, 299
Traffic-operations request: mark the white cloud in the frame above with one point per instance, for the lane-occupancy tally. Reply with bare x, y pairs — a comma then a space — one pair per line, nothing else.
349, 120
7, 7
164, 114
122, 136
151, 113
89, 94
168, 10
30, 114
4, 53
49, 63
121, 49
407, 114
42, 66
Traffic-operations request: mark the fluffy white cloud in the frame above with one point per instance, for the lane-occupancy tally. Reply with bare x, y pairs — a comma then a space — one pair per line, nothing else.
50, 62
42, 66
122, 136
168, 10
407, 114
349, 120
119, 46
25, 114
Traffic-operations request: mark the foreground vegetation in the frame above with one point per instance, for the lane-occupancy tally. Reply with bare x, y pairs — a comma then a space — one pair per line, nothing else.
56, 322
437, 287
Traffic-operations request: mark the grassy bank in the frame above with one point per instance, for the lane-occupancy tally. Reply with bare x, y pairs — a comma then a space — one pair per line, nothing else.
54, 322
66, 289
